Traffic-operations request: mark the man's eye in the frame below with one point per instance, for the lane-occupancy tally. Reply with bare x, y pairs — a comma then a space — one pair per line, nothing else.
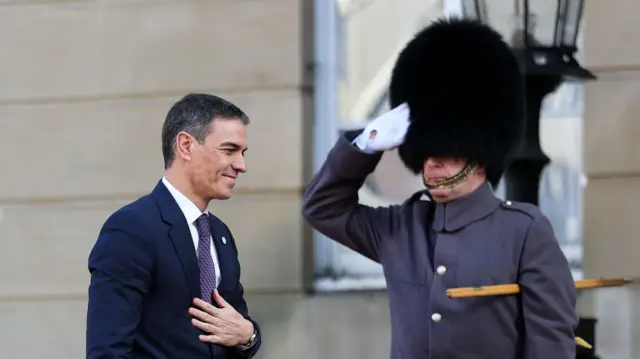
228, 151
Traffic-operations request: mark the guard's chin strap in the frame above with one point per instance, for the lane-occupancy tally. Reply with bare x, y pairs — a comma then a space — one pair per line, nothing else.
453, 180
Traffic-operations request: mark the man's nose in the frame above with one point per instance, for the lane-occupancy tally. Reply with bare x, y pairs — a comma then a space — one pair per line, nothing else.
239, 164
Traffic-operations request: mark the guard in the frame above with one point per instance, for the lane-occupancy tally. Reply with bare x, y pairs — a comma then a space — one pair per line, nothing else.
457, 98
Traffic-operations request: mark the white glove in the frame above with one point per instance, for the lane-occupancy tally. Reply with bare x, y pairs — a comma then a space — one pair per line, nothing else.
385, 132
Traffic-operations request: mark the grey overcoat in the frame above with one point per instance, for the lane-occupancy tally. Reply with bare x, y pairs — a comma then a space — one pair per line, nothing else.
426, 248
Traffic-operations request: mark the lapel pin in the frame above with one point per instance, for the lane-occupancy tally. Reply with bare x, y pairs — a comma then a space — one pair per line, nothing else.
224, 240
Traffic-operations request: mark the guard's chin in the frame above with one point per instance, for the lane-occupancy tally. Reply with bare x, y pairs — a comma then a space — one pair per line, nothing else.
440, 195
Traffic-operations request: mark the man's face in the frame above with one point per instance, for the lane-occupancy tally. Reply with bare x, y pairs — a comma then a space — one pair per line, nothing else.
215, 164
437, 169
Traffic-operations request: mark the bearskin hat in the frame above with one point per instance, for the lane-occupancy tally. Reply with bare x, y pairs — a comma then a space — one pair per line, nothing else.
464, 89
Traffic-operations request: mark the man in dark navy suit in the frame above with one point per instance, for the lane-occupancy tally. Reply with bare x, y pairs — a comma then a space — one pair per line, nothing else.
165, 276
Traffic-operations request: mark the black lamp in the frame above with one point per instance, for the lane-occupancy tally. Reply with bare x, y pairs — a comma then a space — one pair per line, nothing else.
552, 28
543, 35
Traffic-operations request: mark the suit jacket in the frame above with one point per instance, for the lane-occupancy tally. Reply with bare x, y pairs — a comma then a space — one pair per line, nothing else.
144, 276
425, 248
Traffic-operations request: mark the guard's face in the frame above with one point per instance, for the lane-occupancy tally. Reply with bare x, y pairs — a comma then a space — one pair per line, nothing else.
215, 165
438, 169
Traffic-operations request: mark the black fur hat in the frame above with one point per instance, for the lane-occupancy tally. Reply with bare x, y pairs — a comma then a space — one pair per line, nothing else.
465, 93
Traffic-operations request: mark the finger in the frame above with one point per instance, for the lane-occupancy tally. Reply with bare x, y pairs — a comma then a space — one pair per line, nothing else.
201, 304
205, 327
217, 298
215, 327
203, 316
212, 339
206, 318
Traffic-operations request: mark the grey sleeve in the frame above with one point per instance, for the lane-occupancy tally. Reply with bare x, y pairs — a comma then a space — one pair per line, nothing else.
331, 203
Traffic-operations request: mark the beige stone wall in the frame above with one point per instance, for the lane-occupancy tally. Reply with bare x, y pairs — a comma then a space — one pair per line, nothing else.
84, 89
612, 163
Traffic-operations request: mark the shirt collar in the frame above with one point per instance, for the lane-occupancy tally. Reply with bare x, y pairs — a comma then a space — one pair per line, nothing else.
189, 209
452, 216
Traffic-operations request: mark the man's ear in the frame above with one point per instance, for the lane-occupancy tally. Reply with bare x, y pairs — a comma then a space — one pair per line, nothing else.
184, 146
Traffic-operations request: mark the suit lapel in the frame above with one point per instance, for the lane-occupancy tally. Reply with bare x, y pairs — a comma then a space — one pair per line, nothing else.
224, 249
180, 237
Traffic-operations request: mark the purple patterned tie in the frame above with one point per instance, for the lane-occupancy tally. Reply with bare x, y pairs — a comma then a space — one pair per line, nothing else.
205, 260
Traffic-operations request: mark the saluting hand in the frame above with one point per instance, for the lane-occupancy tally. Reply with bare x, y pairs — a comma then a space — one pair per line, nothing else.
387, 131
225, 325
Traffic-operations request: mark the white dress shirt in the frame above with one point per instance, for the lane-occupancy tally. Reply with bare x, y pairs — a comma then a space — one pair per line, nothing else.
191, 213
